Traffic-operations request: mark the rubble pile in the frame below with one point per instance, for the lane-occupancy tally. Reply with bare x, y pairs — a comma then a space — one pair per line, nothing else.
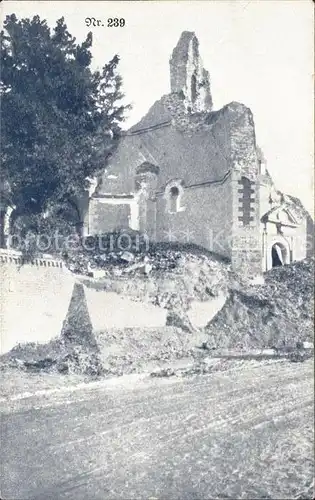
103, 253
167, 275
53, 357
277, 314
176, 278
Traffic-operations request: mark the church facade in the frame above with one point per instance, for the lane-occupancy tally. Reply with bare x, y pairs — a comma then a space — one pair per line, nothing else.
187, 173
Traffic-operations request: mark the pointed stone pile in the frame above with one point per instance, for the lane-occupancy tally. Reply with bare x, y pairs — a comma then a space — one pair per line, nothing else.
77, 327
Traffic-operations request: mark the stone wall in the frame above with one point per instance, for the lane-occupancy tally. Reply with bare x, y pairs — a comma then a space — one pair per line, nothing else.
246, 234
107, 217
188, 75
246, 228
111, 310
204, 219
34, 299
199, 150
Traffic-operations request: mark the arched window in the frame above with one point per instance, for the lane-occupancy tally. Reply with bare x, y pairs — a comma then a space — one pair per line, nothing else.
174, 199
173, 194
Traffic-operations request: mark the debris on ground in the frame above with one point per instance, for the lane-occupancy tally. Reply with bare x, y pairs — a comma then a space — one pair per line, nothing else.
274, 313
279, 313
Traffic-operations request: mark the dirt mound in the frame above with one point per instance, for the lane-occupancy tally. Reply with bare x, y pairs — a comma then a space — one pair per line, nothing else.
179, 276
75, 351
194, 275
103, 252
279, 313
54, 357
136, 350
116, 352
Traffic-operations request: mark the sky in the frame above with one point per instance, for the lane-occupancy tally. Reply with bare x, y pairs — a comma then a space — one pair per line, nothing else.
258, 52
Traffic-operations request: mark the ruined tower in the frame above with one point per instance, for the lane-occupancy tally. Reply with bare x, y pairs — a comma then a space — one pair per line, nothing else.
188, 75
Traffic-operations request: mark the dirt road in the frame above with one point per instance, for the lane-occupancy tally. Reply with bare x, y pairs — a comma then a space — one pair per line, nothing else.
243, 433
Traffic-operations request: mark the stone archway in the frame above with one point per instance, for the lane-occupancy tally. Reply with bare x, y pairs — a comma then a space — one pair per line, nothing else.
277, 253
280, 254
174, 191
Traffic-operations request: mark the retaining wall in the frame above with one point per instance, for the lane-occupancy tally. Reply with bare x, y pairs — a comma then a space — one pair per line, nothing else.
34, 299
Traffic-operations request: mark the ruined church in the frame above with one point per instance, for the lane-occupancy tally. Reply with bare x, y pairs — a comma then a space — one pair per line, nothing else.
190, 174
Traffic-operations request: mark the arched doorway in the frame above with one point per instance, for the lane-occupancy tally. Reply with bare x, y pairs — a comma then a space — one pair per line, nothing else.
279, 255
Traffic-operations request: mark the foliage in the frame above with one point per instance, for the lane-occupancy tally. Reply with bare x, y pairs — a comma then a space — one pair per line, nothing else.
60, 120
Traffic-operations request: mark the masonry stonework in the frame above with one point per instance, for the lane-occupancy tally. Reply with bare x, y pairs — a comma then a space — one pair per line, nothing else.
205, 218
188, 75
36, 297
226, 199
